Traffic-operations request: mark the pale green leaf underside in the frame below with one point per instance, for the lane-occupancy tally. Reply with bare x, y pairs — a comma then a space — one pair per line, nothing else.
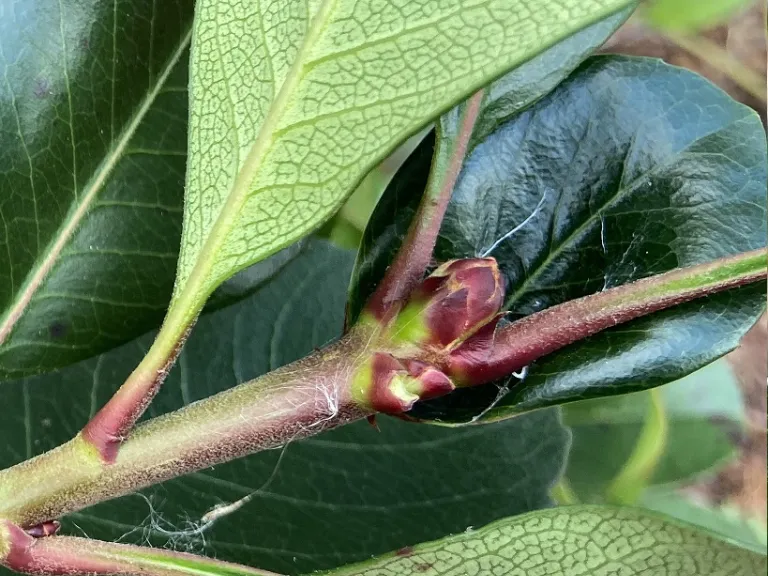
594, 540
293, 101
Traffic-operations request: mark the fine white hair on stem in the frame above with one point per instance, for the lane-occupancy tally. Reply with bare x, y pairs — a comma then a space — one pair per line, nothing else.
329, 396
222, 510
83, 532
503, 391
189, 539
192, 538
531, 216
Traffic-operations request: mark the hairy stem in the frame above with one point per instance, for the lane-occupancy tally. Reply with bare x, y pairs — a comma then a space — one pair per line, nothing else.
67, 555
414, 255
109, 427
323, 391
520, 343
112, 423
298, 400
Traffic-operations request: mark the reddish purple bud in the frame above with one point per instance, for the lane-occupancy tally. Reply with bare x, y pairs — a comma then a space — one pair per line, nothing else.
465, 360
432, 381
452, 303
385, 395
396, 385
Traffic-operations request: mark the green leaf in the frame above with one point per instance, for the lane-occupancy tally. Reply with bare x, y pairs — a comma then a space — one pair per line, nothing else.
631, 168
293, 102
248, 281
593, 540
691, 15
93, 109
729, 523
702, 411
503, 99
322, 502
346, 227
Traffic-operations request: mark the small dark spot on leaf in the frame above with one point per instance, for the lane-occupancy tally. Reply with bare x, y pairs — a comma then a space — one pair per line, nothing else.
57, 330
422, 567
406, 551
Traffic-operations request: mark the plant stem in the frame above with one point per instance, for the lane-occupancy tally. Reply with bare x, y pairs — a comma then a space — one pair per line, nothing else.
518, 344
108, 428
629, 483
414, 255
111, 424
67, 555
298, 400
318, 393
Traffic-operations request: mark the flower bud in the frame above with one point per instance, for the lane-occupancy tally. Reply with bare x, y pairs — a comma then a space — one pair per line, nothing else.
393, 386
469, 358
428, 381
451, 304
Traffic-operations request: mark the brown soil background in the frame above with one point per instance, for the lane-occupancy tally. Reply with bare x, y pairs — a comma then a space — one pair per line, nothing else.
743, 482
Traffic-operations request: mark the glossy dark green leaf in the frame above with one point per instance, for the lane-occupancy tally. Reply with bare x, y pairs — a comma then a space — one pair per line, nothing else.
703, 414
630, 168
503, 99
597, 540
321, 503
93, 114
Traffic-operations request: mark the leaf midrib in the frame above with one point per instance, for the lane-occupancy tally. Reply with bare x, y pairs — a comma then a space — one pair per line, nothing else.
194, 282
238, 193
91, 192
622, 190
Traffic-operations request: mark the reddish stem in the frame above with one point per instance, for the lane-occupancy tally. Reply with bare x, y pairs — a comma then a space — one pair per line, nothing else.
320, 392
297, 400
516, 345
414, 255
66, 555
112, 423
